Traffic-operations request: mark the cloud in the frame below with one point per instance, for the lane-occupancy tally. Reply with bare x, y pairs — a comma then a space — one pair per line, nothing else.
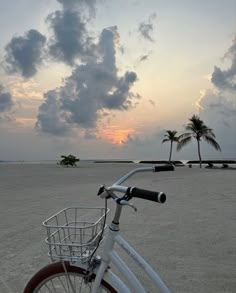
70, 38
222, 106
144, 57
226, 79
146, 138
147, 145
91, 89
219, 112
69, 41
135, 139
114, 134
90, 134
152, 102
146, 28
198, 102
79, 5
217, 106
24, 53
50, 118
24, 90
6, 101
25, 122
221, 100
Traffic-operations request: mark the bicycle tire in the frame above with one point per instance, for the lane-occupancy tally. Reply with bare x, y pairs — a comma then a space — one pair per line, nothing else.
52, 278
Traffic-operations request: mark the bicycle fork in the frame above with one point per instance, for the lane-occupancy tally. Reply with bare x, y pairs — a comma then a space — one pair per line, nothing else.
108, 246
69, 282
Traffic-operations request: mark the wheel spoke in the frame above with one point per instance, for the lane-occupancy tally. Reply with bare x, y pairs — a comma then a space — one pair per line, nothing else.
52, 283
75, 283
81, 284
49, 288
62, 283
55, 279
67, 284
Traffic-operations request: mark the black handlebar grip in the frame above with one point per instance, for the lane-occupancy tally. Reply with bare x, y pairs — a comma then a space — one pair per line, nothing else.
147, 194
164, 168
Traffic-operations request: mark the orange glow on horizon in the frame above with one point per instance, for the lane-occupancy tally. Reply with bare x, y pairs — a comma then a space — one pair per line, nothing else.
26, 122
115, 135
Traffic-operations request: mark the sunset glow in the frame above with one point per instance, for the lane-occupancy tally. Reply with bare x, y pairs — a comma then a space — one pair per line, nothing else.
122, 74
26, 122
116, 136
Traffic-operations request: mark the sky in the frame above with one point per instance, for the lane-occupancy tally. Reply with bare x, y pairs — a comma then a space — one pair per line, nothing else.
105, 79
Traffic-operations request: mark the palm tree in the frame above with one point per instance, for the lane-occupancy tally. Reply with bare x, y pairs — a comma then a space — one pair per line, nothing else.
197, 129
170, 136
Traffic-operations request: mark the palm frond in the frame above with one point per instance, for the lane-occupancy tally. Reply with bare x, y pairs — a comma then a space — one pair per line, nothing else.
190, 127
170, 136
181, 143
196, 121
210, 132
197, 129
184, 135
195, 125
165, 140
212, 142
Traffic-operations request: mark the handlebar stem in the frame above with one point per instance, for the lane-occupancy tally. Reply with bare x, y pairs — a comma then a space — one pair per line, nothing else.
117, 215
119, 188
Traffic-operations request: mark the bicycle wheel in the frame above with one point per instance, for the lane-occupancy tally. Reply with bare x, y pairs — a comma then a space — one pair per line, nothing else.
54, 279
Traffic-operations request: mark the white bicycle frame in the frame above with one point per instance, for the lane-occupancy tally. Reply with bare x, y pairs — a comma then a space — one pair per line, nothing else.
110, 256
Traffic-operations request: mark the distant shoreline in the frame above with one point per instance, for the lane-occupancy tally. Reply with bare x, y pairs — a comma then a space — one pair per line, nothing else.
114, 161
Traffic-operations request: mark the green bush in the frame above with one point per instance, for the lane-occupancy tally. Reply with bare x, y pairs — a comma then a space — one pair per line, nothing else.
69, 161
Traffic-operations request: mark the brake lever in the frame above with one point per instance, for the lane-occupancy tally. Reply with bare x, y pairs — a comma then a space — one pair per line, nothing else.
106, 193
125, 203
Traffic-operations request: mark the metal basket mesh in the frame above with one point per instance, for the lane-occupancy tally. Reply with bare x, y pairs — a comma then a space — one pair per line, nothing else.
73, 233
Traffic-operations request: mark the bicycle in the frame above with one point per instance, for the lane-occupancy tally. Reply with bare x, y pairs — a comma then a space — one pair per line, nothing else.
73, 241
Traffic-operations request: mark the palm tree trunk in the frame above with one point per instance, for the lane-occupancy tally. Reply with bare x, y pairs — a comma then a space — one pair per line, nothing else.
199, 153
171, 143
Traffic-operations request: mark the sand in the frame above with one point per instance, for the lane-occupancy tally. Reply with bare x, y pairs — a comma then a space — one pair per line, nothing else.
190, 240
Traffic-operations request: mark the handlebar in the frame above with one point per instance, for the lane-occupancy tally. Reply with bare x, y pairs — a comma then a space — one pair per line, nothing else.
130, 192
164, 168
159, 197
145, 169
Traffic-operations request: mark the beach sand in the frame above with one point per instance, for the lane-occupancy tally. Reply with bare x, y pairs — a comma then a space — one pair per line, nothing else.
190, 240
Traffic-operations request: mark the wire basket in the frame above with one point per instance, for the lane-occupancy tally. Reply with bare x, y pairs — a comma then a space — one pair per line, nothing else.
72, 235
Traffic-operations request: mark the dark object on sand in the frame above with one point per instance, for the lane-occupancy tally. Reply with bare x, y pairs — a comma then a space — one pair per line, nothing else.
224, 166
210, 165
69, 161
